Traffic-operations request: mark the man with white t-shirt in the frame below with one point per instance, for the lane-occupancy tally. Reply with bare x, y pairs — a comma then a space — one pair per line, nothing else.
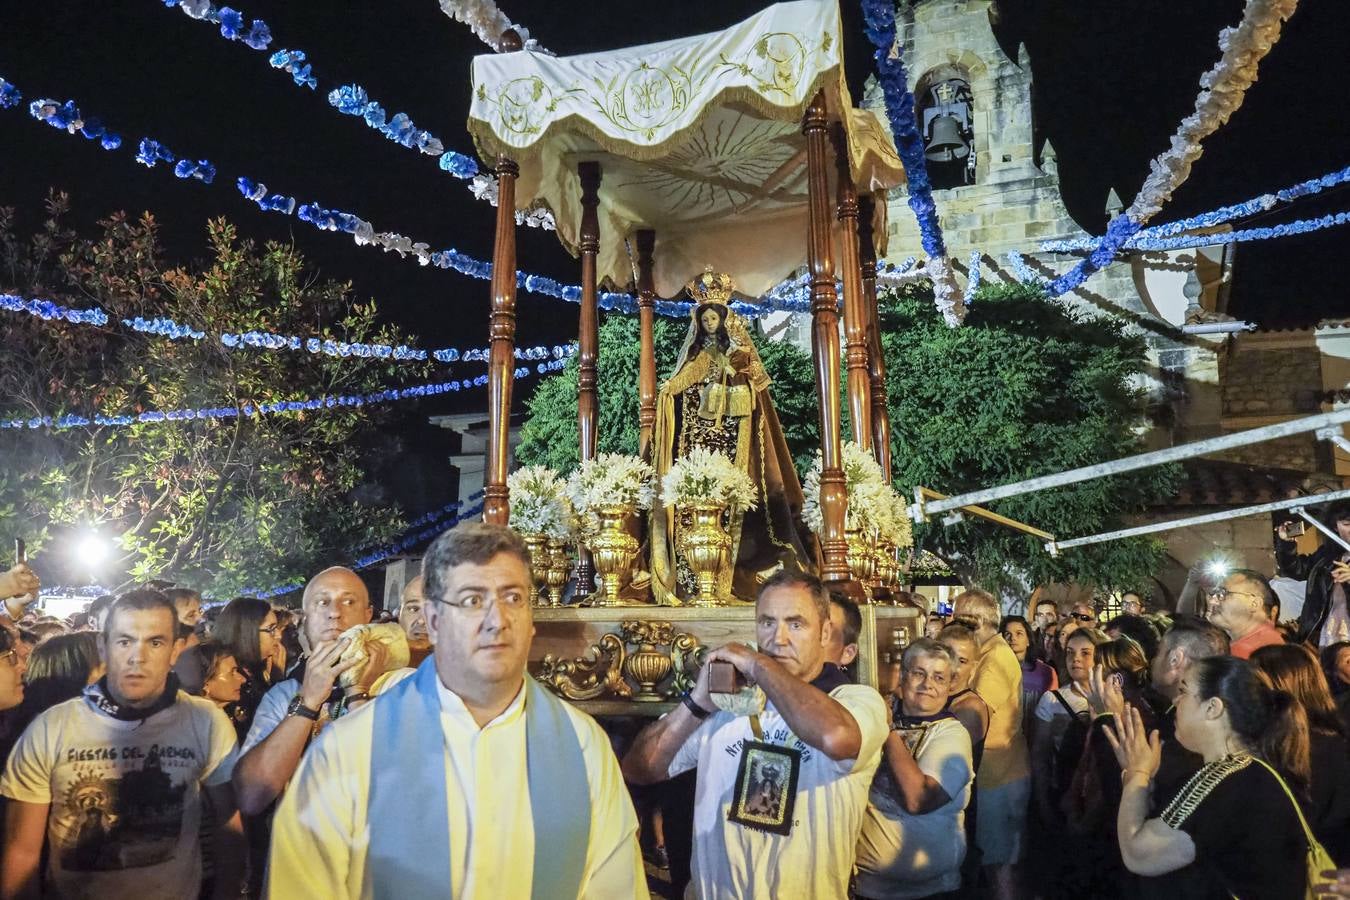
112, 781
914, 838
782, 792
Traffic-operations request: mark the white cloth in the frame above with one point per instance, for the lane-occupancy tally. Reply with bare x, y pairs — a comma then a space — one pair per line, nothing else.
125, 797
321, 834
733, 861
1048, 707
902, 855
272, 708
698, 138
1292, 595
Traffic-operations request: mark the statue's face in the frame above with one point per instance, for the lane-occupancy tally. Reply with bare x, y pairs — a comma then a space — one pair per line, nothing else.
711, 319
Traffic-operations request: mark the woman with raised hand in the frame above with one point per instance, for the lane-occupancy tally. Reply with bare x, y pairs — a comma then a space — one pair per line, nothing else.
1254, 741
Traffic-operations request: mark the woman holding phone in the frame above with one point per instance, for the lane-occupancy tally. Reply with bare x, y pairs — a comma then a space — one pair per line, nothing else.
1324, 619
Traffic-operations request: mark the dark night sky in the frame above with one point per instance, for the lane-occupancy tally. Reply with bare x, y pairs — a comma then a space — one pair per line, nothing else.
1114, 79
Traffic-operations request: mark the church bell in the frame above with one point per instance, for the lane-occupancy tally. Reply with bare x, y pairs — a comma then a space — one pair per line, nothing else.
945, 142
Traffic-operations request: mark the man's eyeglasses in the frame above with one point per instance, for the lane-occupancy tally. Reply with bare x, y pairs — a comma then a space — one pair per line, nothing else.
1083, 617
1221, 593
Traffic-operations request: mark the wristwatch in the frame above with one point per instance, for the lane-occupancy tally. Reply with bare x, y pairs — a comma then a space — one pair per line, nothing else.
298, 708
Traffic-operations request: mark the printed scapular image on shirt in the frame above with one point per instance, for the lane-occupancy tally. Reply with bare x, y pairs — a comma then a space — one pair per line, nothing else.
114, 817
766, 787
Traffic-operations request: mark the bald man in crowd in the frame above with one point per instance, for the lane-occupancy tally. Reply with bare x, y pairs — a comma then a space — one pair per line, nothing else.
294, 710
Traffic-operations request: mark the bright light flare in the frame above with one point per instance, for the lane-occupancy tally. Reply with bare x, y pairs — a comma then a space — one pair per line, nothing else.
93, 550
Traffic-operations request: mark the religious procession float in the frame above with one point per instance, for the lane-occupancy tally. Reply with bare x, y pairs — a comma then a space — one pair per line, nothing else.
697, 173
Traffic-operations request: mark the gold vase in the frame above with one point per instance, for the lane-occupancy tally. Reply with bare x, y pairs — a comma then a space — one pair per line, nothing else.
648, 667
559, 565
613, 549
537, 544
705, 544
885, 564
861, 562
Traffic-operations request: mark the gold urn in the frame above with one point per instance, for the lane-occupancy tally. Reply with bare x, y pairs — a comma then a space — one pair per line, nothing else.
705, 544
862, 562
559, 566
647, 666
540, 560
612, 549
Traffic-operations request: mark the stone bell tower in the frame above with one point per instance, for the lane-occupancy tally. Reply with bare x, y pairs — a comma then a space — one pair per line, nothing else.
994, 192
998, 191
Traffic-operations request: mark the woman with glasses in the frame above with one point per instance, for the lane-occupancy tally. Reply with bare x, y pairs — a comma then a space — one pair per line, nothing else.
12, 668
913, 836
1207, 840
247, 627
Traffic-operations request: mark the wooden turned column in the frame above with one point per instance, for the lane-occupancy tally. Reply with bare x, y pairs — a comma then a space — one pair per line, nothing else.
588, 337
646, 286
855, 310
501, 336
825, 343
876, 372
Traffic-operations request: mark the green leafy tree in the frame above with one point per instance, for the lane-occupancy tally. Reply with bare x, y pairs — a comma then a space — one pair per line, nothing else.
549, 434
1026, 387
224, 505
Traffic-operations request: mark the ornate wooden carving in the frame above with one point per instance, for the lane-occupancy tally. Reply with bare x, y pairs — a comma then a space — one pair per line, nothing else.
646, 287
588, 336
876, 373
825, 343
855, 310
646, 660
502, 335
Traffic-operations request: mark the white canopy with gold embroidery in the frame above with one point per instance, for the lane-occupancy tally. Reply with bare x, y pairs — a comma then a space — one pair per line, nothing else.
698, 138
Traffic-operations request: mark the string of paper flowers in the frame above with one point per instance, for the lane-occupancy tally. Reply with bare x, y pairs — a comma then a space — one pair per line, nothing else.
1254, 206
336, 401
879, 16
488, 23
1222, 89
409, 539
268, 340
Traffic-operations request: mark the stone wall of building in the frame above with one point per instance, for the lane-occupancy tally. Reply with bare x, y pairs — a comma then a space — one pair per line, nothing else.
1268, 378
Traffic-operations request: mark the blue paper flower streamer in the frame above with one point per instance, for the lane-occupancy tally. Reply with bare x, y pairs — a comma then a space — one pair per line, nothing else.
231, 22
340, 401
9, 95
1254, 206
149, 152
49, 311
973, 277
66, 116
293, 62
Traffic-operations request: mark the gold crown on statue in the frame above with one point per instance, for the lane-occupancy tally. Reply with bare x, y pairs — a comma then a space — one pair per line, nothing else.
711, 287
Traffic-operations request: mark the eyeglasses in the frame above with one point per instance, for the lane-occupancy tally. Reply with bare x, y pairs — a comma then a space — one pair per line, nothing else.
11, 658
1221, 593
270, 629
1083, 617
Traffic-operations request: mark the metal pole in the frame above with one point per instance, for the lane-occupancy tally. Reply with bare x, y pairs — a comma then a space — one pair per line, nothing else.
1294, 503
1303, 514
921, 511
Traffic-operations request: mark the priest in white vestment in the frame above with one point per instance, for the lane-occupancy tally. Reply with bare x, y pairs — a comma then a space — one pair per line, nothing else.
468, 779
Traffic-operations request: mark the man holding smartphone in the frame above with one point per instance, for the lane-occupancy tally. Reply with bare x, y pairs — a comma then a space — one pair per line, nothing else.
781, 791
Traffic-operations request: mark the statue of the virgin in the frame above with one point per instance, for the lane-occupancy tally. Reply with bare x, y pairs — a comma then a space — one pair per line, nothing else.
718, 399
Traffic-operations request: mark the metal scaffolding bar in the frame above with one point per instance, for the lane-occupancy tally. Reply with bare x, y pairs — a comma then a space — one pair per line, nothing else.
921, 511
923, 495
1303, 514
1295, 503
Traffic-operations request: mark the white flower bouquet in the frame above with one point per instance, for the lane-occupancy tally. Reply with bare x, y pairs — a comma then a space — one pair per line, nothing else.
539, 503
611, 479
705, 476
871, 499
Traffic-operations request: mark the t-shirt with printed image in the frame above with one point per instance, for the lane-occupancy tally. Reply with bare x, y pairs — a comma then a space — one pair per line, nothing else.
125, 796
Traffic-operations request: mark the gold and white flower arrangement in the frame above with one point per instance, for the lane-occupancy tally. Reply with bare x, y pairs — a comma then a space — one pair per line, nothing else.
705, 476
859, 469
539, 503
611, 479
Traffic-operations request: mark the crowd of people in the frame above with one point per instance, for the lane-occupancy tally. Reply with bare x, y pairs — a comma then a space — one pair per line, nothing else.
157, 749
